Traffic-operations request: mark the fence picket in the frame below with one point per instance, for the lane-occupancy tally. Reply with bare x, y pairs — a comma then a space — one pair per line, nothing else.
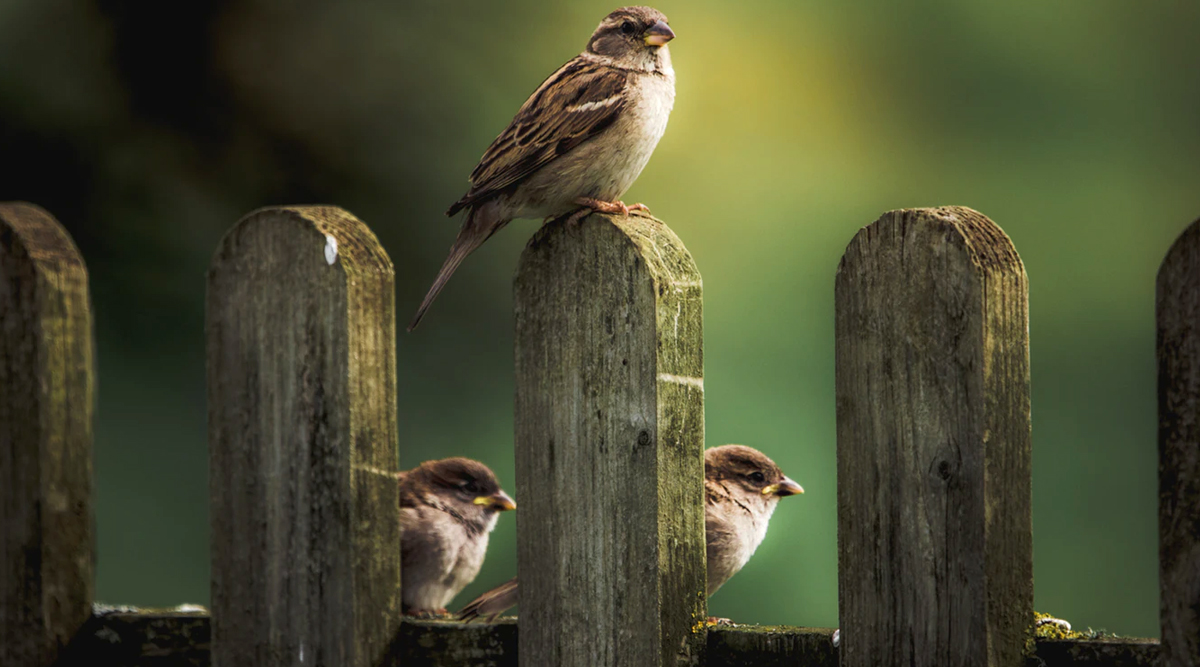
1178, 305
609, 439
302, 439
46, 403
934, 530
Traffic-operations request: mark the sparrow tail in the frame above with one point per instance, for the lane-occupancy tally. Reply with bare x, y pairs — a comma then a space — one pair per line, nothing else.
492, 603
477, 227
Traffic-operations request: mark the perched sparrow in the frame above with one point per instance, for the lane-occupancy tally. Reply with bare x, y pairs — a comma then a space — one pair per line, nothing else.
581, 138
447, 510
741, 488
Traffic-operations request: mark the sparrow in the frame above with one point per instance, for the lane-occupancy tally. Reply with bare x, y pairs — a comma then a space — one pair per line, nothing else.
447, 510
741, 489
580, 140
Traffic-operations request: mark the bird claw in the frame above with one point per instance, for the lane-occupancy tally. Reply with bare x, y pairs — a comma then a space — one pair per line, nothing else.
716, 620
429, 613
610, 207
578, 215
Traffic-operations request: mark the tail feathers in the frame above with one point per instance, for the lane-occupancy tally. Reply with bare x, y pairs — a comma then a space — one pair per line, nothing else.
492, 603
475, 230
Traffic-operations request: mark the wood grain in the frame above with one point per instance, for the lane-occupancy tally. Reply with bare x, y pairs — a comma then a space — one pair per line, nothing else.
934, 530
302, 439
770, 646
1179, 449
609, 445
46, 401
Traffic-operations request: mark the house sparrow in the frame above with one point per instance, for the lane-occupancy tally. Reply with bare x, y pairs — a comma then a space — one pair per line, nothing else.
741, 488
581, 138
447, 509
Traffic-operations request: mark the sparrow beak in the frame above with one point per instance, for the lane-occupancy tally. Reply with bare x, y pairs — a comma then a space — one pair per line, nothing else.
785, 488
658, 34
499, 500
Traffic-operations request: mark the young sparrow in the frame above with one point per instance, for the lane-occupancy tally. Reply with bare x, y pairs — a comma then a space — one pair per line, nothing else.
741, 489
581, 138
447, 509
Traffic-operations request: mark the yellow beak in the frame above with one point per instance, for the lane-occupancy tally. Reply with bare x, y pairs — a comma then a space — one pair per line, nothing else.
500, 500
658, 34
785, 488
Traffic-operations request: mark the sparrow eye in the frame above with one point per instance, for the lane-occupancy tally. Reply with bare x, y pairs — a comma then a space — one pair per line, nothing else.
757, 477
627, 27
470, 487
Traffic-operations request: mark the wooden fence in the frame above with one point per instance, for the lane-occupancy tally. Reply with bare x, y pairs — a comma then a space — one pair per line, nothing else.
933, 410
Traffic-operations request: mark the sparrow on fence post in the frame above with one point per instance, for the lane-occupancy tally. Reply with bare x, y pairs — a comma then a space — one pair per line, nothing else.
741, 489
447, 509
580, 140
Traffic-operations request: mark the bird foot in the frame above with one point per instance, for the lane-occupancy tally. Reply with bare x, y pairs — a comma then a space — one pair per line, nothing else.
716, 620
610, 207
428, 613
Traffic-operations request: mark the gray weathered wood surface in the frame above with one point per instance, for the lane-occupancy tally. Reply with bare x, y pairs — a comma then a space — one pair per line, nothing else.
166, 638
934, 530
770, 646
302, 439
1179, 449
609, 439
46, 402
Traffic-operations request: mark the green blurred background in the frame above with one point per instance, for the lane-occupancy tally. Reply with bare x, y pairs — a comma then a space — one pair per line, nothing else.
148, 128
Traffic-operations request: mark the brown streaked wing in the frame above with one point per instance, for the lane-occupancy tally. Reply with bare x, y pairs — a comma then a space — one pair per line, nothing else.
543, 129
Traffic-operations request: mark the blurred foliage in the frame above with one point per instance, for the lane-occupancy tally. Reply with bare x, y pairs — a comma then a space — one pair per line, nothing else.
149, 128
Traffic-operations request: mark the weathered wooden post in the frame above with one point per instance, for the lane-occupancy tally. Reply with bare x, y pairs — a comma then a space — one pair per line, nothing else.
302, 439
934, 531
1179, 449
609, 441
46, 398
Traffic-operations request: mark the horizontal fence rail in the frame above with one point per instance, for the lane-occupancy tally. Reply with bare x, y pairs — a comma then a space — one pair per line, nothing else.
933, 437
169, 639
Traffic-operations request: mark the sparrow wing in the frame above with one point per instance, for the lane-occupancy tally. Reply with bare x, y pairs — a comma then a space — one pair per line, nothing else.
492, 603
573, 105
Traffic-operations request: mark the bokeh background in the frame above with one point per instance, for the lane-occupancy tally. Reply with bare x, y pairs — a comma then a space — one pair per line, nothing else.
148, 128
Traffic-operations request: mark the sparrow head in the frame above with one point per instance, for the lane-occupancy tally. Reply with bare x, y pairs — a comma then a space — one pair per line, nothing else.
748, 472
468, 486
633, 37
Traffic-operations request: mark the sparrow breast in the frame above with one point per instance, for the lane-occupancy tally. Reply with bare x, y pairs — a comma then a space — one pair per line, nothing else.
447, 510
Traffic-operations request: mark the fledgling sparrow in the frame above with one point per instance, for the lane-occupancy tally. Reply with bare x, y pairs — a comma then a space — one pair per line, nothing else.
741, 489
581, 139
447, 509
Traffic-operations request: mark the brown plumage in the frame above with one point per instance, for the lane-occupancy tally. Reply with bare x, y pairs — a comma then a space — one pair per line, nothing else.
741, 489
581, 138
447, 510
